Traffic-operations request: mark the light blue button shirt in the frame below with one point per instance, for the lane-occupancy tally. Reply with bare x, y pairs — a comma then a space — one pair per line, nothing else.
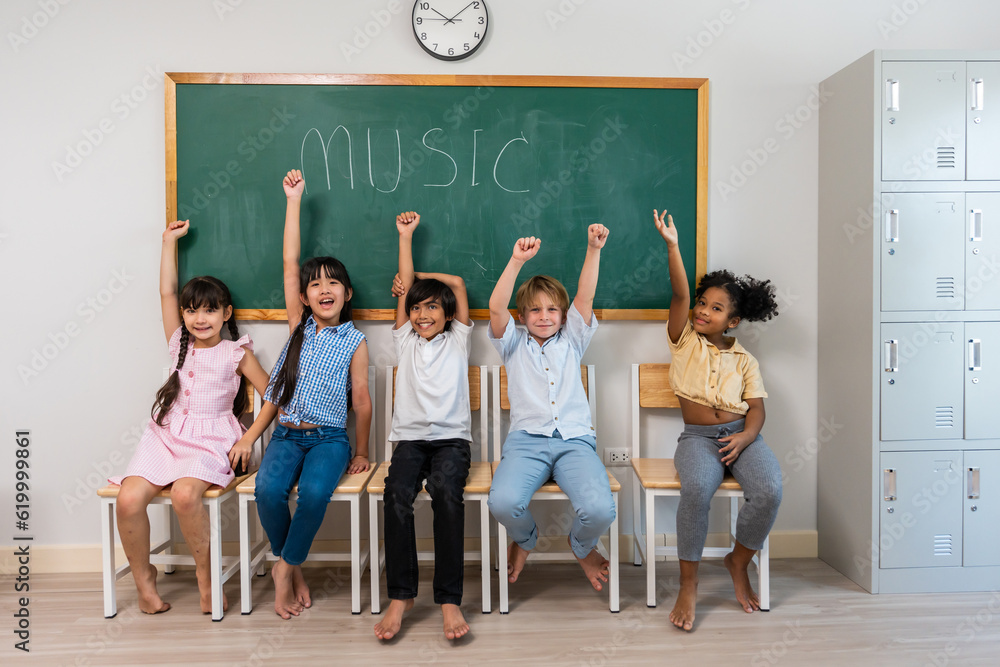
543, 381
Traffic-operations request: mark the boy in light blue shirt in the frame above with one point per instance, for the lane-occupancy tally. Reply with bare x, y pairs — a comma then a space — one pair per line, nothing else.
551, 433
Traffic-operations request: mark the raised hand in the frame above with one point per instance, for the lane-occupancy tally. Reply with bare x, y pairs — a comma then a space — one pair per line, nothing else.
666, 228
398, 289
407, 222
176, 229
294, 184
597, 236
526, 248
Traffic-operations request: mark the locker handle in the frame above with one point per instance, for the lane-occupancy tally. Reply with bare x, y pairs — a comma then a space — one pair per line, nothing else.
972, 481
892, 225
977, 94
892, 94
891, 356
889, 484
976, 224
975, 354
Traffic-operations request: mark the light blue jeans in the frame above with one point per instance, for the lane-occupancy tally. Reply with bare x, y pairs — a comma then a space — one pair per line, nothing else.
315, 458
532, 460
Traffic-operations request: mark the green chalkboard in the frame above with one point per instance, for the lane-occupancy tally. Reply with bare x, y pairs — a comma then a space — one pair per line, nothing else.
484, 160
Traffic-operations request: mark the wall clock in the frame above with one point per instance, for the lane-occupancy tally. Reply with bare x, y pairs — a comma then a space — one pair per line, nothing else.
450, 29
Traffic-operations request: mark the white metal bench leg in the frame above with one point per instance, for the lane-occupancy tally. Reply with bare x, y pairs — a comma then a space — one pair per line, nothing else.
246, 601
168, 568
355, 555
502, 560
613, 567
636, 507
215, 557
764, 573
375, 557
108, 556
484, 553
649, 545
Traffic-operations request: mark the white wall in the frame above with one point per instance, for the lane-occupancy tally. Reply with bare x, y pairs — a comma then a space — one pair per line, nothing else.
93, 234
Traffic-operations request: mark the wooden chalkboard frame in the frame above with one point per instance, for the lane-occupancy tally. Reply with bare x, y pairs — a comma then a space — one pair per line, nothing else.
172, 79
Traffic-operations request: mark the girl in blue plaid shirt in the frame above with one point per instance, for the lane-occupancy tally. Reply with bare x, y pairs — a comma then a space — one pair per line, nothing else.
322, 371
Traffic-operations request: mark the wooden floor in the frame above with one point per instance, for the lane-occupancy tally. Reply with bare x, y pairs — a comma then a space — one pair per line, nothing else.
818, 618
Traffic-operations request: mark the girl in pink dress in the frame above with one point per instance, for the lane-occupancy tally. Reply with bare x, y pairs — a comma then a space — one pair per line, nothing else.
193, 440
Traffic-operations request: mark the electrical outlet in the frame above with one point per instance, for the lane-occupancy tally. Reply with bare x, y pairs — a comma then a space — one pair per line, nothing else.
617, 456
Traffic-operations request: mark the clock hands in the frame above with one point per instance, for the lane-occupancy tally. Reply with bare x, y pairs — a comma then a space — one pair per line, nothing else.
463, 9
443, 17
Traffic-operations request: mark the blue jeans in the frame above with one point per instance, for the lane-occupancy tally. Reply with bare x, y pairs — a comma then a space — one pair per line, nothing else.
315, 458
529, 461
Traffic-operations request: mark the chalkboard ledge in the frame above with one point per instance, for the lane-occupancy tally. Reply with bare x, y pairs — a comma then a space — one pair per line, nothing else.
280, 315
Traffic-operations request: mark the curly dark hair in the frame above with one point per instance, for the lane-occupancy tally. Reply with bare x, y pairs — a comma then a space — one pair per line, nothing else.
753, 300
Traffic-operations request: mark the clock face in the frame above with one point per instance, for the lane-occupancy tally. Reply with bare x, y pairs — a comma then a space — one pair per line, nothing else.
450, 29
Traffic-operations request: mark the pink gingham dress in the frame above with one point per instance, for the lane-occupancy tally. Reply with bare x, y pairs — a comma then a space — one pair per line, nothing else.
200, 428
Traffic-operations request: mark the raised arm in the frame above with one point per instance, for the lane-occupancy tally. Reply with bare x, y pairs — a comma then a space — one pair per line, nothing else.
361, 403
169, 305
291, 246
680, 298
457, 285
597, 236
406, 224
524, 249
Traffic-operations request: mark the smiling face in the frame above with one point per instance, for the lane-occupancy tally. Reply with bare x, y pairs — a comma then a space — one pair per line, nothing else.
427, 318
205, 323
325, 296
542, 318
711, 313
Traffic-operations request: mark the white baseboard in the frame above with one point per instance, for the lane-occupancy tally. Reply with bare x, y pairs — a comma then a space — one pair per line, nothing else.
63, 558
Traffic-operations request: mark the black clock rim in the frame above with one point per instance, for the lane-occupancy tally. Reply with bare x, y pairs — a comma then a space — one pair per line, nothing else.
440, 56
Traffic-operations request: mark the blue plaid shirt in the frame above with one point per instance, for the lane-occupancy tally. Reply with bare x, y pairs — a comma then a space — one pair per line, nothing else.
324, 376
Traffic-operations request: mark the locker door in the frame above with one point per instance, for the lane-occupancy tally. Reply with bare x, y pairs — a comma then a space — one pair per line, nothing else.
920, 521
922, 380
982, 248
923, 266
923, 121
982, 379
983, 121
982, 509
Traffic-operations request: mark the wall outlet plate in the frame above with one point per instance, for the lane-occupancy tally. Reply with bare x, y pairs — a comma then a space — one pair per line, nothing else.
617, 456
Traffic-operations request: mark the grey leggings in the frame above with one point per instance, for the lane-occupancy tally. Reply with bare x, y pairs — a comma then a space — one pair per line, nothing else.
701, 471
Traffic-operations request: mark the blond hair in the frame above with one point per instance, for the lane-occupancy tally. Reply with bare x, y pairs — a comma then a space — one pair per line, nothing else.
528, 292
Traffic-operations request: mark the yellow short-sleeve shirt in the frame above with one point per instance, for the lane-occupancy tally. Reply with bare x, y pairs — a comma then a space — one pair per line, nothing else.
704, 374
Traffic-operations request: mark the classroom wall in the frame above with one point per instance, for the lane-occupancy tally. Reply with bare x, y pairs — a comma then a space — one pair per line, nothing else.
83, 195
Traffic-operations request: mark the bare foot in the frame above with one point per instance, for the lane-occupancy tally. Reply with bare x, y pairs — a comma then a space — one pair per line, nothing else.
285, 604
516, 557
741, 582
595, 566
300, 587
206, 601
682, 614
393, 619
150, 601
455, 625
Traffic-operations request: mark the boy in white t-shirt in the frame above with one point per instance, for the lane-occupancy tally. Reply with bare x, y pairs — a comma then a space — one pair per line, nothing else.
432, 429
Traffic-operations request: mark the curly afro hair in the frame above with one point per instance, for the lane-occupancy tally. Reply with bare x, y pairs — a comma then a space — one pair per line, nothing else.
753, 300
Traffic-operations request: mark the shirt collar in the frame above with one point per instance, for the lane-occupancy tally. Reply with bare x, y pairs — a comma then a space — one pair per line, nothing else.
309, 328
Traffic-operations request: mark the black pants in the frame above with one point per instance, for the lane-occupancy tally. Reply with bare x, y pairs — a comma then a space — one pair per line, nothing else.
444, 464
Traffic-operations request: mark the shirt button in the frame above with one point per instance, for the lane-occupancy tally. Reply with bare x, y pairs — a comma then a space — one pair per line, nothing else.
556, 418
546, 369
190, 374
187, 392
553, 402
185, 411
552, 383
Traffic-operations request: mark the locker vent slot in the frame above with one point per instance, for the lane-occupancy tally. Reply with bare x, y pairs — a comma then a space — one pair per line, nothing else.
944, 417
946, 157
942, 545
945, 288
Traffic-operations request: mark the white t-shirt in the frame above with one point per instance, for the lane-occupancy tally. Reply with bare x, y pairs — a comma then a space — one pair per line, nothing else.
432, 385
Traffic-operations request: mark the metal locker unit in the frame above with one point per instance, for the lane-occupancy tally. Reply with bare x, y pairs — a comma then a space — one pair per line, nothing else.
923, 121
922, 380
982, 256
982, 381
923, 263
983, 121
981, 471
909, 321
921, 509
